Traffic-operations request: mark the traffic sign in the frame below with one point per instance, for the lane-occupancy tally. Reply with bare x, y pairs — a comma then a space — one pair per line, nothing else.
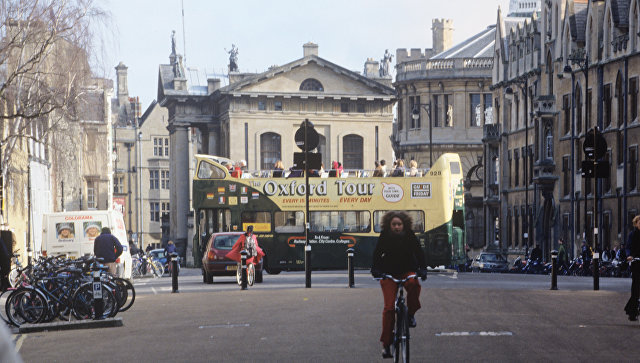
594, 146
312, 136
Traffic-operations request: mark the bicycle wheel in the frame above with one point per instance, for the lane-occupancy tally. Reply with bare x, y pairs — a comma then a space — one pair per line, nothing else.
26, 305
401, 339
14, 277
239, 275
251, 274
125, 294
157, 268
82, 302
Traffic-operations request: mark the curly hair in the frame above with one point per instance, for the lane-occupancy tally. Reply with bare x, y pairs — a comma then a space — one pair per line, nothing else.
407, 222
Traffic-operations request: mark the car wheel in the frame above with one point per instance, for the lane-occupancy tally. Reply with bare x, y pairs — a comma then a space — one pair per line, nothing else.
259, 276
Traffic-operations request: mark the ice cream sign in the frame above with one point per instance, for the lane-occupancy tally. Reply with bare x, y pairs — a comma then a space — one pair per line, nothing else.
392, 192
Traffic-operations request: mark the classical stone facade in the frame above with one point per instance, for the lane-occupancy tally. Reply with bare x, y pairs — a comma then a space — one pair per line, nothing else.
574, 67
443, 101
254, 118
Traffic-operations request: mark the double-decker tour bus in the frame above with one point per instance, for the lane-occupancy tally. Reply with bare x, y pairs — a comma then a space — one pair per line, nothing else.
344, 211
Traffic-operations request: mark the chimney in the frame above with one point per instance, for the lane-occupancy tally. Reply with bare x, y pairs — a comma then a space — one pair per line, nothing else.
310, 49
121, 79
372, 68
213, 84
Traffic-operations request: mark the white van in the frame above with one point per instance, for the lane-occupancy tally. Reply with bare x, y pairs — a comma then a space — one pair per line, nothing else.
72, 234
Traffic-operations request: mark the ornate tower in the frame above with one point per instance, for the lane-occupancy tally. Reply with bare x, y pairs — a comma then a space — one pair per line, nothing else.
442, 32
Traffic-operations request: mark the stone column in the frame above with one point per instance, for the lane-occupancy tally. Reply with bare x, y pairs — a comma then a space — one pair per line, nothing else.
214, 134
179, 182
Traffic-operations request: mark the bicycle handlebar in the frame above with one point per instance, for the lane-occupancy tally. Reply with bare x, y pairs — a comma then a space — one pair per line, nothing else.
397, 281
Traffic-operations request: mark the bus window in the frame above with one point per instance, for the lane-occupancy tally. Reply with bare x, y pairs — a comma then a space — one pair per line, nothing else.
416, 215
261, 221
455, 167
340, 221
289, 222
208, 171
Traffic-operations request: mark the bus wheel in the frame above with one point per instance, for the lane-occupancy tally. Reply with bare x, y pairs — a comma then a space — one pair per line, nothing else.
273, 271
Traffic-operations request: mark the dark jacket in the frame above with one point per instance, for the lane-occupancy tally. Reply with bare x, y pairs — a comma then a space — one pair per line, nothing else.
169, 249
398, 255
633, 243
108, 247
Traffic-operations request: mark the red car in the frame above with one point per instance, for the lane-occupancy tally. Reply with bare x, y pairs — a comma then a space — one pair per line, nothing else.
214, 262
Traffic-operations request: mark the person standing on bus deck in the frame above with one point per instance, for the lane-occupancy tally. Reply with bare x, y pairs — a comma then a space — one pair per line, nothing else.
278, 169
397, 253
249, 242
633, 250
237, 170
107, 247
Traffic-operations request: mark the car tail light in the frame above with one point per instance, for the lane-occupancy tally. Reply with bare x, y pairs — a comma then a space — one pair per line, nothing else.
211, 255
118, 260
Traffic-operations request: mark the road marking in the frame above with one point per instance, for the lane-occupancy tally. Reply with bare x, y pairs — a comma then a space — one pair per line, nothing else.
228, 325
19, 341
154, 290
474, 333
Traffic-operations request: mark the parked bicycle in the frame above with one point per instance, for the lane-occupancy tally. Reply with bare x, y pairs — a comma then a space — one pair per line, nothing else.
62, 288
401, 333
146, 264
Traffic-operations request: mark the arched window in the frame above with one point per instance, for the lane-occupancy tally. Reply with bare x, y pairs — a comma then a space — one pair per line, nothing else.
269, 150
311, 84
620, 99
353, 151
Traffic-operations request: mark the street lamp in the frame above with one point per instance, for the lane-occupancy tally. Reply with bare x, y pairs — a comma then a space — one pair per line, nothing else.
580, 58
415, 114
521, 82
140, 214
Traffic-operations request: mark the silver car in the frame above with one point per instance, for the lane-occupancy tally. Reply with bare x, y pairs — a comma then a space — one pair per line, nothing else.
490, 262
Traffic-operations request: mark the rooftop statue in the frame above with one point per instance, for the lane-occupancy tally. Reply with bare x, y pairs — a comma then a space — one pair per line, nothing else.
385, 63
233, 58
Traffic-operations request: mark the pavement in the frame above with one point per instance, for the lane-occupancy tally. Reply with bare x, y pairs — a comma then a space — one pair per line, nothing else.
464, 317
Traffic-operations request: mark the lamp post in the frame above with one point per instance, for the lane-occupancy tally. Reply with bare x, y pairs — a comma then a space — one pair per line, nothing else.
415, 114
521, 82
580, 58
140, 214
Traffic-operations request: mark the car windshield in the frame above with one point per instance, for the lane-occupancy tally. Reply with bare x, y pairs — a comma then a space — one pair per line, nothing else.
158, 254
225, 242
492, 258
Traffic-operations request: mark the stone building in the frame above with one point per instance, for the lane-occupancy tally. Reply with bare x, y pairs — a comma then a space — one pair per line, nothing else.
141, 179
558, 75
254, 118
443, 100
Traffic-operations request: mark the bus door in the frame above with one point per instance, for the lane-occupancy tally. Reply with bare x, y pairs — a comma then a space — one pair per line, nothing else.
212, 221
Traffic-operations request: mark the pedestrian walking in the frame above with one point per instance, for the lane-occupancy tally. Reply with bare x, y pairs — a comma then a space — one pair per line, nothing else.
633, 245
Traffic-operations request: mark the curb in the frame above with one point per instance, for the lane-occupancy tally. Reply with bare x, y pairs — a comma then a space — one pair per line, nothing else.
71, 325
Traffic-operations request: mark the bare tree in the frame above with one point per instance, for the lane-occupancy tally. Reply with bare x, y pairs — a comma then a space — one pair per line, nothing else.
45, 47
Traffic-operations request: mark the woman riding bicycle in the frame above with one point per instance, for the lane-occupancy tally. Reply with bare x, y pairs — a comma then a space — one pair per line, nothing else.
249, 242
398, 253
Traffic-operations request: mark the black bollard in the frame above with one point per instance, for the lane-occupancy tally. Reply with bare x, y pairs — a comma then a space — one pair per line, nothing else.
596, 271
350, 266
554, 270
174, 272
243, 273
98, 302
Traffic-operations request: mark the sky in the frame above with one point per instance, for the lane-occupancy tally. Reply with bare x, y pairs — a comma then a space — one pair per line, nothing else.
272, 32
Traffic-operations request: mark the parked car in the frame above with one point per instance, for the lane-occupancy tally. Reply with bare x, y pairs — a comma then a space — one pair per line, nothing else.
159, 255
214, 262
490, 262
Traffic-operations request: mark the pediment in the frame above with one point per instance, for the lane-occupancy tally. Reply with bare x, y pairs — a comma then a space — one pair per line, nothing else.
287, 79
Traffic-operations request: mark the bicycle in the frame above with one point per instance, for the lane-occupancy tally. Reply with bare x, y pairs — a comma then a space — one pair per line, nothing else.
251, 273
401, 333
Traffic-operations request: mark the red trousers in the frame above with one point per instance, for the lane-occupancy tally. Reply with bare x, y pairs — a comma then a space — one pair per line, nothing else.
389, 291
